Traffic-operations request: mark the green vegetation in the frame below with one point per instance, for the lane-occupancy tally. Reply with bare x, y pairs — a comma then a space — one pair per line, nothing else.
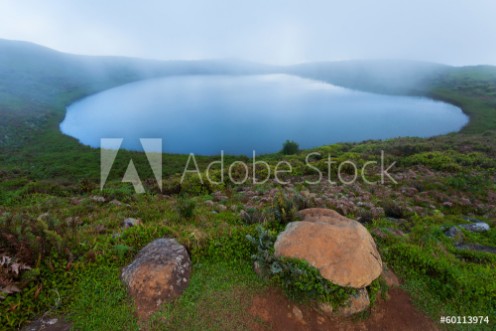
437, 274
290, 147
66, 239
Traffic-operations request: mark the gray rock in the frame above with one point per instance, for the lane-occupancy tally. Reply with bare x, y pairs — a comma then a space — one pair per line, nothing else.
130, 222
209, 203
48, 324
97, 198
453, 232
478, 248
476, 227
219, 196
221, 208
160, 273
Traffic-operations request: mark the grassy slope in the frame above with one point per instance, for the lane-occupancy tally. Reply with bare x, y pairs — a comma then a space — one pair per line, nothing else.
47, 178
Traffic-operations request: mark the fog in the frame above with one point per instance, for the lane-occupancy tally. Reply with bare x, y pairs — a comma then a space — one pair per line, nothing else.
453, 32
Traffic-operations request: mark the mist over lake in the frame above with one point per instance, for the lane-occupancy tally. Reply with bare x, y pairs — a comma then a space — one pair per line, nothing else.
204, 114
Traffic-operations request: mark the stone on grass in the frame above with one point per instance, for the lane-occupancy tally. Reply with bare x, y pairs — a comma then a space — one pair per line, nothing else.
130, 222
160, 273
97, 198
340, 248
476, 227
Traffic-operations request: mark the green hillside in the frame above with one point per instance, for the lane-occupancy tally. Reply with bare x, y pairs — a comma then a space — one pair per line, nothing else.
67, 244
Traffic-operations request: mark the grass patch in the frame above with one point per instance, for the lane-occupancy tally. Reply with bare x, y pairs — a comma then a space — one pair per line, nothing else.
100, 301
217, 298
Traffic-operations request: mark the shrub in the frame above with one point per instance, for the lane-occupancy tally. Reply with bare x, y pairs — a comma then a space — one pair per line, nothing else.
284, 209
30, 239
290, 147
192, 184
365, 216
186, 207
253, 216
393, 209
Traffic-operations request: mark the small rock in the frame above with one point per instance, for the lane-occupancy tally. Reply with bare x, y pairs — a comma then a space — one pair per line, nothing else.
298, 314
97, 198
379, 233
100, 228
476, 227
116, 203
52, 324
396, 232
478, 248
453, 232
326, 309
390, 278
209, 203
76, 201
10, 289
219, 196
130, 222
355, 304
221, 208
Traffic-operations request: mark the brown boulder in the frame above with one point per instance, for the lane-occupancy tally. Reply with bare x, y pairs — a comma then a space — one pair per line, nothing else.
160, 273
321, 214
342, 249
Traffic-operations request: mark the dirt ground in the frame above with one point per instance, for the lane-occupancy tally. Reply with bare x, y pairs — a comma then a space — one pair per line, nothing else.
271, 310
395, 314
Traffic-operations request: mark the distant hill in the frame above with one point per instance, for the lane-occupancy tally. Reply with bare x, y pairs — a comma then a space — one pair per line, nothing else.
384, 76
36, 83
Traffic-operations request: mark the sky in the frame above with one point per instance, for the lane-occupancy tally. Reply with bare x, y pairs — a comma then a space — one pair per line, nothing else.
456, 32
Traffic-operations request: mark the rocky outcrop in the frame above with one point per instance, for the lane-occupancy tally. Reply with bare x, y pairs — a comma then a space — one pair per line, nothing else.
160, 273
342, 249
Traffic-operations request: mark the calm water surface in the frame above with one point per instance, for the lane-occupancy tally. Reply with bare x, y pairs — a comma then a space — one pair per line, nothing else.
239, 114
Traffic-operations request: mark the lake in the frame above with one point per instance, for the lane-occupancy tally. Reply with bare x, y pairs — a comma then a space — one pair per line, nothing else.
205, 114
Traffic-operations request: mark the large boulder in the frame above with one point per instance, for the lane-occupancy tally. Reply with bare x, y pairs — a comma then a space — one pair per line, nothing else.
160, 273
342, 249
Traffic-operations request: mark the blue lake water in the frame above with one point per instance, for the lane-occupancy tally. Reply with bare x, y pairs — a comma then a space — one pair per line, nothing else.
239, 114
